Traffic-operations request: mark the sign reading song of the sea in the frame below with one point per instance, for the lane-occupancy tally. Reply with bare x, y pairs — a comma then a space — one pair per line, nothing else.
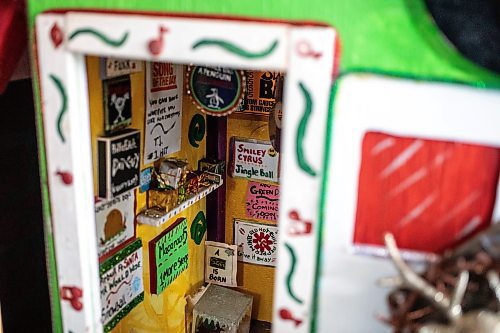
254, 159
168, 255
257, 243
118, 163
262, 201
216, 91
122, 287
115, 222
220, 264
162, 132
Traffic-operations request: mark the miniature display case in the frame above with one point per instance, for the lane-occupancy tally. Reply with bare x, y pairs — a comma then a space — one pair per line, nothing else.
147, 118
222, 310
161, 131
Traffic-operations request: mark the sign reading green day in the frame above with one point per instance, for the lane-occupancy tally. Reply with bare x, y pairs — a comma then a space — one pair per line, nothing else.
168, 254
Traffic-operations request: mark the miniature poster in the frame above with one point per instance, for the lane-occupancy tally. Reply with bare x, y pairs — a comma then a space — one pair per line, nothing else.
115, 67
220, 264
163, 123
118, 163
118, 104
254, 159
257, 243
168, 255
115, 222
122, 287
216, 91
262, 201
146, 176
261, 92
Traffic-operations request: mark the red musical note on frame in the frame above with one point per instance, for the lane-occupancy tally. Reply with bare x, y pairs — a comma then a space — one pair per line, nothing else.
73, 295
66, 177
298, 226
286, 314
56, 35
156, 45
305, 50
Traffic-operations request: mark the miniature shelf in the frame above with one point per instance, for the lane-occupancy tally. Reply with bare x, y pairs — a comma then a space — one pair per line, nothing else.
157, 221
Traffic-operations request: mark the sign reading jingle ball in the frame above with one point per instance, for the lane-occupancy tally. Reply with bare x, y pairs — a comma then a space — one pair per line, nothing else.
216, 91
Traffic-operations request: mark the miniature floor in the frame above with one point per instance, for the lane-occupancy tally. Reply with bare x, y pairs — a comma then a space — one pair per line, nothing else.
260, 327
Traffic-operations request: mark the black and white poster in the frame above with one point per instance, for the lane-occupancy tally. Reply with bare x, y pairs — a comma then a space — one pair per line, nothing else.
118, 104
119, 163
162, 132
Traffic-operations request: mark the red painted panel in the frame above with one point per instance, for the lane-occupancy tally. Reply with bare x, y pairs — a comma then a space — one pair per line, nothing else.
430, 194
13, 38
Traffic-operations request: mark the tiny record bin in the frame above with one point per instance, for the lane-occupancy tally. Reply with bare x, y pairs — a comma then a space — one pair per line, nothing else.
222, 310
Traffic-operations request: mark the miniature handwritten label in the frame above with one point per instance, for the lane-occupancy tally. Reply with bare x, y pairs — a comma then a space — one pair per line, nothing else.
162, 132
118, 163
255, 160
261, 92
114, 222
215, 90
122, 287
262, 201
168, 254
117, 67
220, 264
257, 243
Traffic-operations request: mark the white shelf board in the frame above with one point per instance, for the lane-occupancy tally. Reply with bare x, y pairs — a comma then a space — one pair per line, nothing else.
157, 221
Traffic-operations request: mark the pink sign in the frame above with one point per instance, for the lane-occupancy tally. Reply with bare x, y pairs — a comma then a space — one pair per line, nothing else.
262, 201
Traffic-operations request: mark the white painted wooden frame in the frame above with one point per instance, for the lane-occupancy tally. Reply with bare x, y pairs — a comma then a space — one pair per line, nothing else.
350, 297
305, 52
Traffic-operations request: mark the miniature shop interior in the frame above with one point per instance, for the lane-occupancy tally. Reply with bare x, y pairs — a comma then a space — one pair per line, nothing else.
235, 173
179, 153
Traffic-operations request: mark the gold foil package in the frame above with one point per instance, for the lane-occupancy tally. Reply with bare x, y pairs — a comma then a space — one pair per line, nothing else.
165, 200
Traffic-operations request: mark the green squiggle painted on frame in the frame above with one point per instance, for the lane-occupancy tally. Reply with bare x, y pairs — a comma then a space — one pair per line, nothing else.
115, 43
290, 274
301, 131
64, 106
236, 49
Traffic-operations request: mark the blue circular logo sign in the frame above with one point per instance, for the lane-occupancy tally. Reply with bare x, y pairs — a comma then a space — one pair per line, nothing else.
216, 91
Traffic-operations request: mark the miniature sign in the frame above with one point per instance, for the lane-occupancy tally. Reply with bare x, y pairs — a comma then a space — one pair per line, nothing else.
122, 287
261, 92
257, 243
146, 177
168, 255
118, 163
262, 201
162, 132
118, 104
115, 67
115, 222
216, 91
220, 264
254, 159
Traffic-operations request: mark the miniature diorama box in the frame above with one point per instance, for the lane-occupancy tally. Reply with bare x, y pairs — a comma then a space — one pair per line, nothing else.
224, 166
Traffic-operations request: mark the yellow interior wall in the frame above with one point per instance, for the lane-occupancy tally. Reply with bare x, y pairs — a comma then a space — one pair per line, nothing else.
166, 312
255, 280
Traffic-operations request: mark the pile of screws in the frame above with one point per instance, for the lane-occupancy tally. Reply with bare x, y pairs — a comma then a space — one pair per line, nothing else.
411, 310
